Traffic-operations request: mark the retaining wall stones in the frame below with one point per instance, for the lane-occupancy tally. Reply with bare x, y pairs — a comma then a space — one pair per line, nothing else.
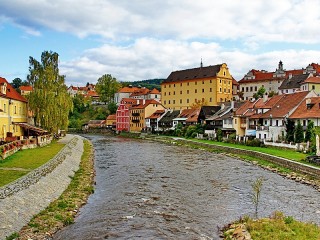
27, 196
295, 166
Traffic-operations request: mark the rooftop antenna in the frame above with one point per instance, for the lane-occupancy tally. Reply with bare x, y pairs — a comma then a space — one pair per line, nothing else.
201, 64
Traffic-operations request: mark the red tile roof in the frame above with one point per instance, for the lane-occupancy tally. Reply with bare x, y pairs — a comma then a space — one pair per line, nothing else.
144, 103
286, 104
128, 89
11, 93
312, 80
111, 117
154, 91
304, 111
26, 88
156, 114
267, 76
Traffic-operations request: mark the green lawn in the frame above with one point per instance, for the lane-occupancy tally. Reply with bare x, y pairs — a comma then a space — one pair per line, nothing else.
26, 160
285, 153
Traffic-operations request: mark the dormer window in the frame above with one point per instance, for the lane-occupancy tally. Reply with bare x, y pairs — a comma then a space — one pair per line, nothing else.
4, 88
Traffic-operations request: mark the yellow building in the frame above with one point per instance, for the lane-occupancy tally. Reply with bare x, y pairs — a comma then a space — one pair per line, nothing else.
140, 111
207, 85
13, 110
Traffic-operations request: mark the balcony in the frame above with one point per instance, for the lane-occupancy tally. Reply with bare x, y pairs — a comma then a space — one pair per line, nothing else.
263, 128
135, 120
135, 114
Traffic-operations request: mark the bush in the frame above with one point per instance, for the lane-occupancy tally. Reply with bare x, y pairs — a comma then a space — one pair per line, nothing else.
254, 143
193, 135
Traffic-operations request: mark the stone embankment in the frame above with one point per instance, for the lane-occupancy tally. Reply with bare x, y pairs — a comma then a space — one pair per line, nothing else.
27, 196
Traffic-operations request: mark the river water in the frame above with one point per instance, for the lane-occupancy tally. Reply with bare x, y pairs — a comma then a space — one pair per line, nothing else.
150, 190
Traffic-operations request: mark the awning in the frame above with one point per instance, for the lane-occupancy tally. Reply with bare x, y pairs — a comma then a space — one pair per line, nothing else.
27, 126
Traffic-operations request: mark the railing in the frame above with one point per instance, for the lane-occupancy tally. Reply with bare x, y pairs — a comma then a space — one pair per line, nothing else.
263, 128
135, 114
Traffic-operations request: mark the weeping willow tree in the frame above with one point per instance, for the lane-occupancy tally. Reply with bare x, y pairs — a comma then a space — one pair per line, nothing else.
49, 101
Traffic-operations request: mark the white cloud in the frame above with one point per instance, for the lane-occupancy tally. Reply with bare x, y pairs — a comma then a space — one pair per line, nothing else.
273, 20
150, 58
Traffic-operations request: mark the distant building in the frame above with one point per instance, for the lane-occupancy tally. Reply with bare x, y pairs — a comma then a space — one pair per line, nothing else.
25, 90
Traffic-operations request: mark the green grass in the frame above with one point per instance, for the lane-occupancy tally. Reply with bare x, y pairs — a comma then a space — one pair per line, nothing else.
285, 153
32, 158
8, 176
280, 227
26, 160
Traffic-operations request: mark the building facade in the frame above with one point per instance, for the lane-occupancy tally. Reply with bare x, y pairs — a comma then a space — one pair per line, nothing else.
13, 110
208, 85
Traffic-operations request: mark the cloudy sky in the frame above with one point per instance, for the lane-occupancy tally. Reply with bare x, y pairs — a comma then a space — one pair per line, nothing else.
144, 39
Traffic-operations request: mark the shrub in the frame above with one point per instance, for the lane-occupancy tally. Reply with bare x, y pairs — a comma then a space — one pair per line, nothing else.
254, 143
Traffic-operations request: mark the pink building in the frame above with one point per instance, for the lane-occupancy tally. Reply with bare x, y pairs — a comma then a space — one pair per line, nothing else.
123, 114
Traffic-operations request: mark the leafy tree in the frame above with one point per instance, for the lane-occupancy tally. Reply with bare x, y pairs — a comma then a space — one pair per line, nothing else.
290, 130
106, 87
198, 104
260, 93
309, 132
112, 107
219, 135
17, 83
49, 101
298, 133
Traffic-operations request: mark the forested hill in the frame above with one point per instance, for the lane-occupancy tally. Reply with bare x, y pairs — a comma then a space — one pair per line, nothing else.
150, 83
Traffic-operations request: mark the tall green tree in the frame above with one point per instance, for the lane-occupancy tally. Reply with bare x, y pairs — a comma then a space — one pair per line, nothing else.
49, 100
309, 132
106, 87
298, 133
17, 83
290, 130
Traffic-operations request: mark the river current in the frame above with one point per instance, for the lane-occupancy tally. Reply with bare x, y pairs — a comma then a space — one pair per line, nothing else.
151, 190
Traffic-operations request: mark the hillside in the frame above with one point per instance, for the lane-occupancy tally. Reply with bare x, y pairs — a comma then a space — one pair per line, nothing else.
149, 83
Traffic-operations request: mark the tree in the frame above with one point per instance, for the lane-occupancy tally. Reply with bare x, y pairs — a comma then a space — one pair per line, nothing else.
298, 133
290, 130
49, 101
106, 87
17, 83
256, 188
198, 104
260, 93
112, 107
309, 132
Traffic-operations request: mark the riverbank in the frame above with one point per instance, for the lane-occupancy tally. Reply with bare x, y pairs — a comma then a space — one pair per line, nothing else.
18, 208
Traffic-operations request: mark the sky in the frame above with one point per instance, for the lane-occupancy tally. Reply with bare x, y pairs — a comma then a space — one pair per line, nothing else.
144, 39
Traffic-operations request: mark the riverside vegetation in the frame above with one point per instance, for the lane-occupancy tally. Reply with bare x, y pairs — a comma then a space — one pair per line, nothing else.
62, 211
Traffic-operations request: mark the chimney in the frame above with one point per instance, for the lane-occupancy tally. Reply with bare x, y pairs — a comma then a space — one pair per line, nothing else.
265, 97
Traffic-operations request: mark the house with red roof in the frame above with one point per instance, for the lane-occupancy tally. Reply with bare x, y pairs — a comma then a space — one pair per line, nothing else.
272, 81
308, 110
111, 121
137, 93
123, 114
124, 92
140, 111
25, 90
13, 111
187, 117
265, 118
152, 122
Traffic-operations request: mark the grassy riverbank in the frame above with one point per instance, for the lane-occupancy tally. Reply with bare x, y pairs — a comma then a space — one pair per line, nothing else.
24, 161
277, 227
62, 211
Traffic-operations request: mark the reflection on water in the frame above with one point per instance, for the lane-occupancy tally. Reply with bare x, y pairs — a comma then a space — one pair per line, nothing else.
149, 190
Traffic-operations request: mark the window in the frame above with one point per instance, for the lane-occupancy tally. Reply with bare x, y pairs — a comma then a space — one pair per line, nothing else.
180, 92
220, 90
235, 121
187, 100
210, 89
169, 93
251, 89
187, 83
220, 80
210, 100
195, 83
210, 80
169, 102
247, 89
256, 88
187, 91
165, 93
174, 92
224, 90
195, 91
4, 108
174, 85
202, 82
180, 84
313, 87
15, 109
174, 101
180, 101
203, 90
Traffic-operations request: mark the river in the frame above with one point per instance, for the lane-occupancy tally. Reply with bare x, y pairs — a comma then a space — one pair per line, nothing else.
150, 190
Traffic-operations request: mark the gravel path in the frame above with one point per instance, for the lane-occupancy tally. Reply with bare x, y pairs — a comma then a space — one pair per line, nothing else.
17, 210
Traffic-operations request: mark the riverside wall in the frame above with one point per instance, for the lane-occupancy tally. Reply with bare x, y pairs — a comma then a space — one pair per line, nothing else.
295, 166
27, 196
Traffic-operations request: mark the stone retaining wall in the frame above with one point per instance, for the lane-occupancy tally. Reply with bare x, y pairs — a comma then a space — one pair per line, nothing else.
27, 196
295, 166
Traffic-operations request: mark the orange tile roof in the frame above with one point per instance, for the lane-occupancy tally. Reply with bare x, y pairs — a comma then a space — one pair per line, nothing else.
143, 104
11, 93
302, 111
156, 114
312, 80
92, 93
140, 91
286, 104
128, 89
111, 117
154, 91
26, 88
267, 76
